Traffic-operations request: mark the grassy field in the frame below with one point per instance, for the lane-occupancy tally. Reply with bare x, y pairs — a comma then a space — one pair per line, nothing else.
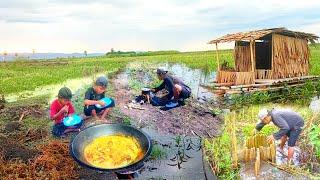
19, 76
315, 59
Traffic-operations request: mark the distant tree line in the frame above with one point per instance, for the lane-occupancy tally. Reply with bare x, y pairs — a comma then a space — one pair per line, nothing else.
113, 53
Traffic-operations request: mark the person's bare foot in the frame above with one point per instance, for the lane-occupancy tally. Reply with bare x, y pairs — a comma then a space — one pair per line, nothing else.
104, 120
281, 151
96, 118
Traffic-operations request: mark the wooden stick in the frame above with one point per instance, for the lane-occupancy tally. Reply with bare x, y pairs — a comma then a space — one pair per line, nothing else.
217, 54
22, 115
136, 107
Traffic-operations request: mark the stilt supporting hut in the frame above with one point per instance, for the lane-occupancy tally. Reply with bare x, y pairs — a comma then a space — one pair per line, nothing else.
265, 54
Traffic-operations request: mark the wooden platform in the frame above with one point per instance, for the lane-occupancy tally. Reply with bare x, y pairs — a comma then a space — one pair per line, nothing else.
262, 85
274, 81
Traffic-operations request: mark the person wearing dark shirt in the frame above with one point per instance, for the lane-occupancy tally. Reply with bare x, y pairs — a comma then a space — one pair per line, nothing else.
290, 124
177, 89
93, 98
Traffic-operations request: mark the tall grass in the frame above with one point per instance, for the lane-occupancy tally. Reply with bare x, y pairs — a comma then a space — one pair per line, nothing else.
315, 59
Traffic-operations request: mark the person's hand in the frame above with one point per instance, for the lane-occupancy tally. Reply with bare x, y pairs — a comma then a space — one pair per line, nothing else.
101, 103
254, 131
65, 109
270, 139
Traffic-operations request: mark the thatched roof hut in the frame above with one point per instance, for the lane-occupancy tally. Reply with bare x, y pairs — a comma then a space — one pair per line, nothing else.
266, 54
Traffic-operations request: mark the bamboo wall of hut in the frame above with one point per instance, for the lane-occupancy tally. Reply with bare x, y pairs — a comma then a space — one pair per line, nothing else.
242, 58
290, 57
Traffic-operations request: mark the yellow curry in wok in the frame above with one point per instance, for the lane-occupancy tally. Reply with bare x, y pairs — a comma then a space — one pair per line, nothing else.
113, 151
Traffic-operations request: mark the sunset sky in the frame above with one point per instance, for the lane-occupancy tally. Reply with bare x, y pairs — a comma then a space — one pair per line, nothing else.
98, 25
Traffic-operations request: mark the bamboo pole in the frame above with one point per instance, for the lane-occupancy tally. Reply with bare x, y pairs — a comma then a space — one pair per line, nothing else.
246, 154
251, 53
257, 163
272, 61
273, 152
217, 54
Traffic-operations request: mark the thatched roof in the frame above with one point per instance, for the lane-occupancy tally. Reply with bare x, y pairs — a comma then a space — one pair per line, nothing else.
255, 35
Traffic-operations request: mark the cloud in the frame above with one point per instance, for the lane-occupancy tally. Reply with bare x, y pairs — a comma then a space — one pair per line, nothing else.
98, 25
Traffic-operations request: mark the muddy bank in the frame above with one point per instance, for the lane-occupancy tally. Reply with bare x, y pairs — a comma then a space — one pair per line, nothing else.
18, 113
12, 149
193, 118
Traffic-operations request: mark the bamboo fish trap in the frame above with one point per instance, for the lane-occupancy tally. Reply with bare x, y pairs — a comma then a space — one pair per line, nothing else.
257, 149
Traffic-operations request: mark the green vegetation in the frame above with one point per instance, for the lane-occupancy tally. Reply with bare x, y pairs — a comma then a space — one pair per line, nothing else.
27, 75
158, 152
299, 95
219, 156
35, 123
266, 130
314, 135
315, 59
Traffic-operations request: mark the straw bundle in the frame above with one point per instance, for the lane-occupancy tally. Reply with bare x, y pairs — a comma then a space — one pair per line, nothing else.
290, 57
244, 78
226, 77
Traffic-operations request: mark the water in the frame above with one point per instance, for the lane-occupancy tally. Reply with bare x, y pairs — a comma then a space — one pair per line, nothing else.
281, 157
196, 79
315, 105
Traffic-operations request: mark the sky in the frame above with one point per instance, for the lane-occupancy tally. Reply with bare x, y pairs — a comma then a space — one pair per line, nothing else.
68, 26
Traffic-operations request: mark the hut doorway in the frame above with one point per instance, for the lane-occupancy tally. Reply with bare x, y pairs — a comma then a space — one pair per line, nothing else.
263, 54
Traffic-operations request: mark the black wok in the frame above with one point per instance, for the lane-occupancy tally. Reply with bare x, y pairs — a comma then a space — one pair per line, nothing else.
87, 135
